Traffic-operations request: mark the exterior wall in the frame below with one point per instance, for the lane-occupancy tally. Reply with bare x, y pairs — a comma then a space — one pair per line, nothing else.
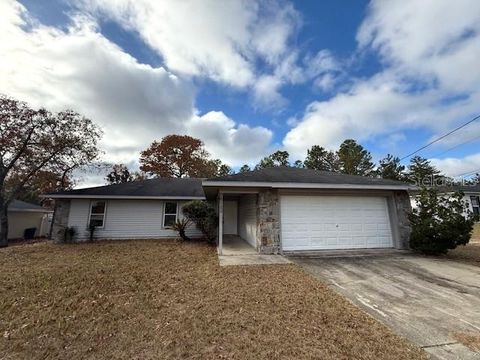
247, 218
125, 219
18, 221
60, 219
466, 198
268, 222
400, 221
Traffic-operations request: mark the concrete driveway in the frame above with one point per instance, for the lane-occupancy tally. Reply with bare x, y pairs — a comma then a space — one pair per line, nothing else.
426, 300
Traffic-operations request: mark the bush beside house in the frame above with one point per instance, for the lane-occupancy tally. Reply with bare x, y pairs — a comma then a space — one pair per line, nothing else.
204, 216
440, 223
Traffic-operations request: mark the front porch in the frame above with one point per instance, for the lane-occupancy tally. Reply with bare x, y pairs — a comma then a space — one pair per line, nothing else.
235, 245
248, 231
236, 251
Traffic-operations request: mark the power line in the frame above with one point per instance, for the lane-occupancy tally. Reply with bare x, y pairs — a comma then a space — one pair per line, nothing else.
468, 173
440, 138
456, 146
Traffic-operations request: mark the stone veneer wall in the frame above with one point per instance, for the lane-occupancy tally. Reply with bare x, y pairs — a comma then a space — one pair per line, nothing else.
268, 222
403, 207
60, 221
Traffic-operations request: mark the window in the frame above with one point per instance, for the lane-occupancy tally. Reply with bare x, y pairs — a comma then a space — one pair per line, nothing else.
169, 214
97, 213
475, 204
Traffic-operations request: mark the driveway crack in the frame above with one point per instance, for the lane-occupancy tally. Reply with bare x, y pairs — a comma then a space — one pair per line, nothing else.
438, 345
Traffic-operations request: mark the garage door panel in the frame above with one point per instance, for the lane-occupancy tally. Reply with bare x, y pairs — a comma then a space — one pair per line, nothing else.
330, 222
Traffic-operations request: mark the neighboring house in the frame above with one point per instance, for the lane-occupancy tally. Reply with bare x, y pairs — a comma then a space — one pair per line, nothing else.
471, 195
23, 215
274, 210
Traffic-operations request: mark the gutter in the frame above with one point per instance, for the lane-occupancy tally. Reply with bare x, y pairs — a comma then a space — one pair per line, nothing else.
121, 197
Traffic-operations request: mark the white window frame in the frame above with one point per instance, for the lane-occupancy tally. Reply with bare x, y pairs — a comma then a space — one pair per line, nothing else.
165, 213
104, 213
477, 206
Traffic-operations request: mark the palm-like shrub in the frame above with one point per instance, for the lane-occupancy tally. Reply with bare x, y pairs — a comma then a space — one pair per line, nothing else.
181, 227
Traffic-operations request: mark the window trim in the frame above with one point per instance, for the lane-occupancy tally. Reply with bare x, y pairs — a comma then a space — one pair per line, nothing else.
476, 197
104, 214
164, 213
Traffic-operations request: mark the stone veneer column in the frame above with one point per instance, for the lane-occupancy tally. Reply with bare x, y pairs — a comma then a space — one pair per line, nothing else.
403, 207
60, 221
268, 222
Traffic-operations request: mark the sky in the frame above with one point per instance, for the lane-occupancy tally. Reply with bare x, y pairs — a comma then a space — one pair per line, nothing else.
251, 77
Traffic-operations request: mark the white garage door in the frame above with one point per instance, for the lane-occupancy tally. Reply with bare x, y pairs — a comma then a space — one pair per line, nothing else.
334, 222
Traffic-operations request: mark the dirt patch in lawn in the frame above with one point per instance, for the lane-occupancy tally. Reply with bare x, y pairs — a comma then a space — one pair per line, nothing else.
171, 300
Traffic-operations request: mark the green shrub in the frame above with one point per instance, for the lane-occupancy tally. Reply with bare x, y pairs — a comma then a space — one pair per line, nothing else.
440, 223
181, 227
204, 216
69, 234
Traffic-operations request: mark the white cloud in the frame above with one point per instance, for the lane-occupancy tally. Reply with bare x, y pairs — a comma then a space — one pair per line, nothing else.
234, 144
458, 166
429, 50
134, 103
245, 44
204, 38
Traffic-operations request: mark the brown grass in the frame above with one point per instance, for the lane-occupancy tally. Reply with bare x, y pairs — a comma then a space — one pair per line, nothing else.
171, 300
476, 233
469, 253
472, 341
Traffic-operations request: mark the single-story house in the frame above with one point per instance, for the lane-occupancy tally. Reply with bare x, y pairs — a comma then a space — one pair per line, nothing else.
23, 215
471, 195
274, 210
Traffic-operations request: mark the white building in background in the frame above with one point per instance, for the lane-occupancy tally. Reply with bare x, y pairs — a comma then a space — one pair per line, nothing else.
23, 215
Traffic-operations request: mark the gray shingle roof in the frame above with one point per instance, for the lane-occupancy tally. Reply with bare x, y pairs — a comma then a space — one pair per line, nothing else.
18, 205
156, 188
306, 176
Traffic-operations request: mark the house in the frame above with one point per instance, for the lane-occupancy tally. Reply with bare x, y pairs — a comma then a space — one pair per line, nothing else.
274, 209
471, 195
23, 215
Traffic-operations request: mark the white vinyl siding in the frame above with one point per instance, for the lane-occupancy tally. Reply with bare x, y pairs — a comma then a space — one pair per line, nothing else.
126, 219
335, 222
247, 225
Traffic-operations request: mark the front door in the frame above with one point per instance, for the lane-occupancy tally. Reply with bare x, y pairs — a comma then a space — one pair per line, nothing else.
230, 212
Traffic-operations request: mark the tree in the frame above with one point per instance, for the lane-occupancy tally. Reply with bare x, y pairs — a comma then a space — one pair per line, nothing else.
476, 178
139, 176
245, 168
278, 158
217, 168
422, 172
42, 183
440, 223
178, 156
354, 159
119, 174
318, 158
390, 168
32, 141
298, 164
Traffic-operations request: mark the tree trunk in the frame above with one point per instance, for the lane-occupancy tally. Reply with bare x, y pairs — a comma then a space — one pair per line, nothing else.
3, 226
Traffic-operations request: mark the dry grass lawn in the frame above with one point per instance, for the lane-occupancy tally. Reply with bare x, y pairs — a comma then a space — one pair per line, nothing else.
171, 300
469, 253
476, 233
472, 341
